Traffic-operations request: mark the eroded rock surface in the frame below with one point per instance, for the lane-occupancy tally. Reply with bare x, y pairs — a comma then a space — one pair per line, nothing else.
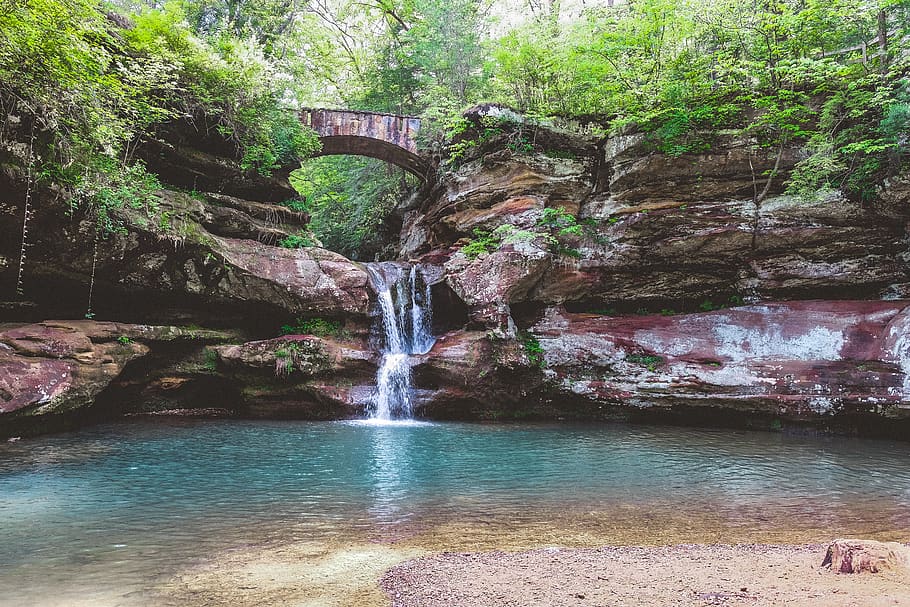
807, 359
657, 232
55, 368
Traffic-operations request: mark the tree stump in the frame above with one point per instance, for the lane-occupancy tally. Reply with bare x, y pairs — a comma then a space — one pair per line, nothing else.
858, 556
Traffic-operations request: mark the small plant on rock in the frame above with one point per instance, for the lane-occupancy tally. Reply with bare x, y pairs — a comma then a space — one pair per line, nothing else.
286, 358
533, 349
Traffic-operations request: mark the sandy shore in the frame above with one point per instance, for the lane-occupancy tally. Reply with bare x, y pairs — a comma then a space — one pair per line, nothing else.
678, 576
375, 575
542, 559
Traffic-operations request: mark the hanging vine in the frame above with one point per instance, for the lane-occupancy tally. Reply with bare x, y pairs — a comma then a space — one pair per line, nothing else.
91, 285
27, 213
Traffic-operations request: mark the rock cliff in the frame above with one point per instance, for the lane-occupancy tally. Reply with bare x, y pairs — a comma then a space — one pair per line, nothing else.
572, 278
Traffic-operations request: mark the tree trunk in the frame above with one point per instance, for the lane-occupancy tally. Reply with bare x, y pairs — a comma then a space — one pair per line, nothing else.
883, 41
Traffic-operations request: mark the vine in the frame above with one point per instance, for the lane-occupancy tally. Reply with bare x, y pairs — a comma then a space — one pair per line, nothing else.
91, 285
27, 213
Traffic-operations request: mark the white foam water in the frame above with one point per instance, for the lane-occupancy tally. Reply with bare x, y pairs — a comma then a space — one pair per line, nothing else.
406, 316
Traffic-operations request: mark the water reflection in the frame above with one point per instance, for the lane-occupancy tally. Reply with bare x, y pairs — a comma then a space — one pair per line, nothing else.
391, 477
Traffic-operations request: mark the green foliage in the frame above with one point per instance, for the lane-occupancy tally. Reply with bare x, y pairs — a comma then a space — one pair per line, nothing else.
210, 362
298, 205
319, 327
482, 243
350, 198
557, 229
86, 92
862, 131
230, 85
286, 358
124, 340
676, 129
709, 306
110, 186
533, 350
299, 240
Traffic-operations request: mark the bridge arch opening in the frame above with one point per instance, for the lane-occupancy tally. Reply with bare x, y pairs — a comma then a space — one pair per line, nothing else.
375, 148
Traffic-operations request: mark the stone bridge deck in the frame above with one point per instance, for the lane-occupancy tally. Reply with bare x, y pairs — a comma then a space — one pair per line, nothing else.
385, 136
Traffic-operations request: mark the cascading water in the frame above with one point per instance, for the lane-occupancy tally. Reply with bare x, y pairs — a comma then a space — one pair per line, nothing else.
406, 317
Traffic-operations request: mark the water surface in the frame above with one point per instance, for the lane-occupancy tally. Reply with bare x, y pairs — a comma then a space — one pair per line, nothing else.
103, 515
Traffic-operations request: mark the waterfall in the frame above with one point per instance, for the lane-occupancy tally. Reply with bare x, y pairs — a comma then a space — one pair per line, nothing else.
406, 314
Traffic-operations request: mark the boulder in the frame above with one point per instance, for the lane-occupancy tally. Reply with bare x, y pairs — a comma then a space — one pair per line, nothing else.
301, 376
865, 556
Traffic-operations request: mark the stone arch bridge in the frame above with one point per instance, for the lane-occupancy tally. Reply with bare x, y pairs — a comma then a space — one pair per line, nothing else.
384, 136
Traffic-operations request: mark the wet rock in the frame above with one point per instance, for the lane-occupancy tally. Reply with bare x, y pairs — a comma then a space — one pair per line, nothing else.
475, 375
865, 556
58, 367
304, 354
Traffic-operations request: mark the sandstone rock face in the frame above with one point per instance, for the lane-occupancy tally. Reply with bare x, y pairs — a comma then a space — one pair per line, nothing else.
808, 359
59, 367
637, 174
175, 262
490, 283
499, 188
865, 556
193, 159
300, 376
542, 326
665, 232
309, 280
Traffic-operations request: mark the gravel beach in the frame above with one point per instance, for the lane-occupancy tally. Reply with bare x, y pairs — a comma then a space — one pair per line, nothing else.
678, 576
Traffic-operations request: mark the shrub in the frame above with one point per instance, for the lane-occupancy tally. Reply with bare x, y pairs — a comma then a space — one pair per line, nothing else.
318, 327
299, 240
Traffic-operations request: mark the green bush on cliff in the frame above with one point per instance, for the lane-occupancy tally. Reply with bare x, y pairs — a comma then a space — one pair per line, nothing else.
482, 243
319, 327
300, 240
80, 90
229, 85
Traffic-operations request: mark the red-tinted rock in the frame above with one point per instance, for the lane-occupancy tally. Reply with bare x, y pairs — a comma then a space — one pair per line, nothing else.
54, 367
311, 280
865, 556
800, 359
58, 367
